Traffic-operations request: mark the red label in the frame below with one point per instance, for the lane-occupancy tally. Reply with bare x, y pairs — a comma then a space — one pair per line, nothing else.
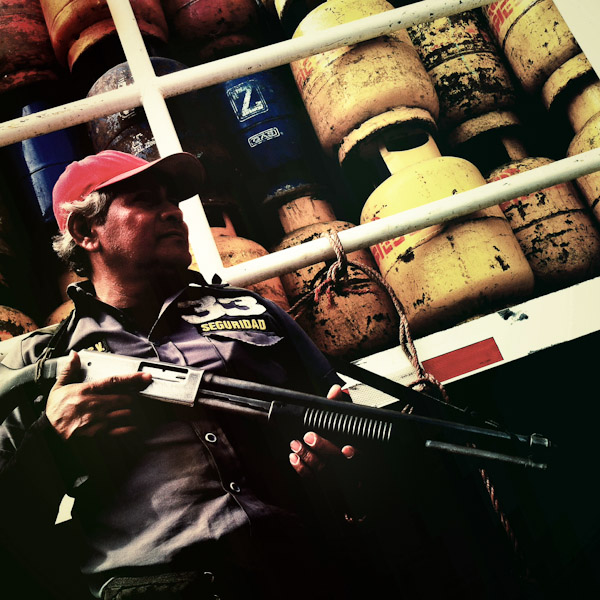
381, 250
497, 14
464, 360
302, 71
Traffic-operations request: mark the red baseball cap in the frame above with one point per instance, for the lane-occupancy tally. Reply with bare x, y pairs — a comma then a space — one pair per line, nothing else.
183, 172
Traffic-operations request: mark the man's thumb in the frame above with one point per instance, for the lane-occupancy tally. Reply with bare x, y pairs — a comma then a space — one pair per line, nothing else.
70, 372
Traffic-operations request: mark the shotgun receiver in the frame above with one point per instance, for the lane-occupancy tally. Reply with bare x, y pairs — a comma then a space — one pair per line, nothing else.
344, 421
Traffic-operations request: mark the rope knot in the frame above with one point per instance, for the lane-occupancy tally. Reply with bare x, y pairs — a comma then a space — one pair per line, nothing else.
337, 274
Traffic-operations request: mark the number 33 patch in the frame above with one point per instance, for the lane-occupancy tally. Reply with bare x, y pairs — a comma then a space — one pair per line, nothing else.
210, 308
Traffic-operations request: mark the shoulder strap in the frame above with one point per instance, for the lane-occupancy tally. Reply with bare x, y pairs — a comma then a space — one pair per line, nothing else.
55, 346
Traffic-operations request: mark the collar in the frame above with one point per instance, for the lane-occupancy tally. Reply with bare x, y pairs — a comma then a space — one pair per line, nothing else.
81, 290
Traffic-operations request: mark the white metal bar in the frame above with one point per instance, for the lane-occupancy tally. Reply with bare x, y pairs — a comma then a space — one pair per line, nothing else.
288, 51
69, 115
142, 71
163, 130
393, 226
582, 18
231, 67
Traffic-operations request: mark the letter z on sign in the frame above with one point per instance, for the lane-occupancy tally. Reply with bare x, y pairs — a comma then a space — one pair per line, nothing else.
247, 100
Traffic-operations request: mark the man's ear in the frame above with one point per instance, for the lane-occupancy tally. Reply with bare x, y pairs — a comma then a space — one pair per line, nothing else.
82, 233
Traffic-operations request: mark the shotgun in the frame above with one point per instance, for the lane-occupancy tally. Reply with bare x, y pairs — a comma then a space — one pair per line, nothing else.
344, 421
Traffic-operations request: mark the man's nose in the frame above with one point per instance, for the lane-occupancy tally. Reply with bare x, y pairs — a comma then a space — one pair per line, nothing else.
170, 210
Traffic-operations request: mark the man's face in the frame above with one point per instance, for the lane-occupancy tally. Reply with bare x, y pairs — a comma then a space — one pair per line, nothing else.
144, 229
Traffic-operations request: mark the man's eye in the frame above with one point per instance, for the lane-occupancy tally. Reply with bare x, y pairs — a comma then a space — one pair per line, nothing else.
145, 199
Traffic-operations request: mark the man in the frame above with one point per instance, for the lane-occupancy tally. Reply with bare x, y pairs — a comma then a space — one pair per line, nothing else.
172, 503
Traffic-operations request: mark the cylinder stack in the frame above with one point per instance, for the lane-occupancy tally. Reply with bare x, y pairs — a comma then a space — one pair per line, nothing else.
572, 92
344, 137
534, 38
449, 272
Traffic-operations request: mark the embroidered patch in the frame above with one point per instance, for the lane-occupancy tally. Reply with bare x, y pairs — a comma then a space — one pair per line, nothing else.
209, 308
239, 324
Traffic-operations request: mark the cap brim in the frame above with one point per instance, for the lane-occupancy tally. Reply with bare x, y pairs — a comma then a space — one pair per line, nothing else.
183, 173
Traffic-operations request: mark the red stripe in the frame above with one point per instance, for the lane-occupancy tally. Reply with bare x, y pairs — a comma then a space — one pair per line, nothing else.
464, 360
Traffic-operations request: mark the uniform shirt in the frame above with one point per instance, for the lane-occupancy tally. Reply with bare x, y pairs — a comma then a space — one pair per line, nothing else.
188, 479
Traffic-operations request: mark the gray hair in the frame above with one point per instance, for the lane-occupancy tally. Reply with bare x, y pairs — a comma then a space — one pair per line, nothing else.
93, 208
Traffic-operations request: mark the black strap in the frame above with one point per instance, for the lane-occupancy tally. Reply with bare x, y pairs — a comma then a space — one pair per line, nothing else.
431, 406
55, 346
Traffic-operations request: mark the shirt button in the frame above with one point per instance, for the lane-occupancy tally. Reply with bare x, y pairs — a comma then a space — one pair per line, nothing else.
234, 487
210, 437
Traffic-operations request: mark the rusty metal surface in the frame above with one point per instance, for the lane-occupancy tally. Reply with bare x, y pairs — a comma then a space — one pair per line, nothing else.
26, 55
75, 25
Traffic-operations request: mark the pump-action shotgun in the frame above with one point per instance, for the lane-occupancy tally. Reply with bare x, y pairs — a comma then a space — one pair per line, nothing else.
344, 421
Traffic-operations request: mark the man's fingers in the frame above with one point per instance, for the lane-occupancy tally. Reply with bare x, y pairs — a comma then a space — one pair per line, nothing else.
337, 393
120, 422
320, 445
119, 383
71, 371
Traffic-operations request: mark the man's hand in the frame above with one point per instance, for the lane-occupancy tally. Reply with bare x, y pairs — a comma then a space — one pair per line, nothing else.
310, 456
78, 410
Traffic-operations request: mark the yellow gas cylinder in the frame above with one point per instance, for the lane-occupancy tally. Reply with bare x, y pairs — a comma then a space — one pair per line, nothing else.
574, 89
489, 140
344, 87
355, 321
359, 155
452, 271
534, 37
586, 139
13, 323
234, 250
465, 65
553, 226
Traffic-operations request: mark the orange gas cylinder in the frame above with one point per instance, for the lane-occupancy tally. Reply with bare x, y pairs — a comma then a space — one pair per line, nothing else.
465, 65
26, 55
452, 271
534, 37
59, 314
553, 227
356, 320
13, 323
75, 26
343, 88
234, 250
218, 28
574, 89
65, 279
